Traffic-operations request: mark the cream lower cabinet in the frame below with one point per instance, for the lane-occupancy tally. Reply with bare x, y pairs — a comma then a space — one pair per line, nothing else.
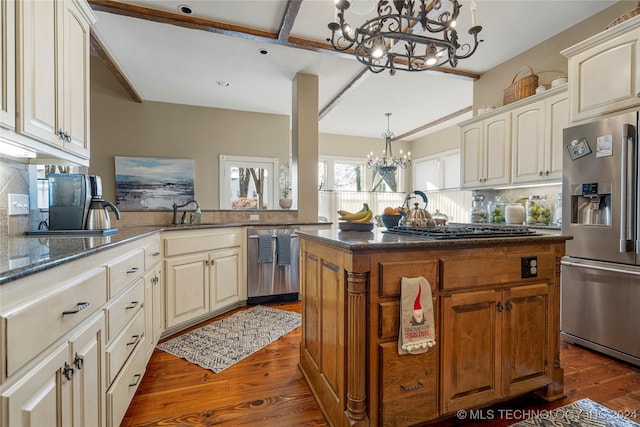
204, 274
153, 307
604, 74
66, 388
537, 139
486, 152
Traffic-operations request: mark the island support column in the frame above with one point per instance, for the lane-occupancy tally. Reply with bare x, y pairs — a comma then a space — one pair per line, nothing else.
356, 348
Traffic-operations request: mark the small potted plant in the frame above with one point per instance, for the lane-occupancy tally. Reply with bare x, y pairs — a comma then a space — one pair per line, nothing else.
285, 187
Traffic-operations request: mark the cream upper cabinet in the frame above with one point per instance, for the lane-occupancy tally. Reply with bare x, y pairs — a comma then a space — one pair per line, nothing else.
604, 74
537, 139
7, 64
53, 67
486, 152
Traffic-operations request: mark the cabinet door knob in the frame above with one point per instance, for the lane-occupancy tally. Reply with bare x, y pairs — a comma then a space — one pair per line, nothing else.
67, 371
539, 173
509, 305
78, 361
499, 306
546, 173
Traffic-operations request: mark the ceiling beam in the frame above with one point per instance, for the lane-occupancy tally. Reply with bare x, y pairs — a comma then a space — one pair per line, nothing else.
434, 123
355, 81
293, 6
99, 49
222, 28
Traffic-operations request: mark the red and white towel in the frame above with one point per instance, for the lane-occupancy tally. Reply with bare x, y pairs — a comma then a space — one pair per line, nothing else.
417, 332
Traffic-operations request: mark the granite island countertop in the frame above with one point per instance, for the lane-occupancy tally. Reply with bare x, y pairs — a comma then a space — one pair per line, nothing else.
378, 239
23, 255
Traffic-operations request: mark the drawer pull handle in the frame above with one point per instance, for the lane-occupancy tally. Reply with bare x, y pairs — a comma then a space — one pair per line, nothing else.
67, 371
137, 377
155, 254
79, 307
78, 361
136, 338
134, 304
412, 387
133, 270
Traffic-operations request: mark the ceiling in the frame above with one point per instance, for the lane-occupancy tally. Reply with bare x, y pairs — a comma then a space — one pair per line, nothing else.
165, 55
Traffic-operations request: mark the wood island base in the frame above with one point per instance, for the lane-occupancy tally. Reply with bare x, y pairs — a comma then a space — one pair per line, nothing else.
497, 332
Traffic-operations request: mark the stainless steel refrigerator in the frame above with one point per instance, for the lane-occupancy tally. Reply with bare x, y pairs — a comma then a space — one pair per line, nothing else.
600, 297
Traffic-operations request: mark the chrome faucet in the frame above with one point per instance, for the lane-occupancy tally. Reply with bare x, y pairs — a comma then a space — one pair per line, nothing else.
175, 211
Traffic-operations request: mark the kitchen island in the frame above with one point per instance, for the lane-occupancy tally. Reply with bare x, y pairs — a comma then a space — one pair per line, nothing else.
496, 311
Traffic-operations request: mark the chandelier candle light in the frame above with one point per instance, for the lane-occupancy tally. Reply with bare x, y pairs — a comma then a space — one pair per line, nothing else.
405, 38
389, 163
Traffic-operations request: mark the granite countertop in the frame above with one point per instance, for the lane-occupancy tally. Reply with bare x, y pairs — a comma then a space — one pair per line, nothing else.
23, 255
377, 239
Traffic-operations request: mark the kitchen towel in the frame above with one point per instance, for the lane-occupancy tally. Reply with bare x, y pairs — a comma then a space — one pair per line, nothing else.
283, 247
417, 332
265, 248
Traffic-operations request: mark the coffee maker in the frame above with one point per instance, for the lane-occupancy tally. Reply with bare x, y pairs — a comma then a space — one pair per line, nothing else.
97, 215
69, 200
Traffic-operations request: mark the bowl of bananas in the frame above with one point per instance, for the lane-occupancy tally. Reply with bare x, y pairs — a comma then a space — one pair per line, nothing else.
356, 221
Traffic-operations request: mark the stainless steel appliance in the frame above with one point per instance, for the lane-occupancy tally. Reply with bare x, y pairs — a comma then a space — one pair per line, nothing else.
601, 210
69, 200
272, 265
97, 215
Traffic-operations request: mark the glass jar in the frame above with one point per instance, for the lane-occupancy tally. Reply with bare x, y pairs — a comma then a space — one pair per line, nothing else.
514, 213
557, 212
538, 211
478, 209
496, 211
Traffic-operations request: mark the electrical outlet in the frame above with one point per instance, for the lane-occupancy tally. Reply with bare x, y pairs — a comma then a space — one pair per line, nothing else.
529, 267
254, 217
18, 204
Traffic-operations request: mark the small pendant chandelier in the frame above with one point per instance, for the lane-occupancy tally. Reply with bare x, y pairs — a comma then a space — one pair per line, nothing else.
388, 164
404, 38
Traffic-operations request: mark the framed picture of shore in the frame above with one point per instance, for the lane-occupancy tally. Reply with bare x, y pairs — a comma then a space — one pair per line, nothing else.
153, 183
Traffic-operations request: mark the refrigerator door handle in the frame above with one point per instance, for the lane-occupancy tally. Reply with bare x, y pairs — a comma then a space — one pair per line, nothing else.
627, 190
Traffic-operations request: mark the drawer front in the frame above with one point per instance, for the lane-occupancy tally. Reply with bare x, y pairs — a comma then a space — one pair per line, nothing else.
33, 327
123, 308
504, 268
408, 387
389, 318
202, 243
124, 271
392, 272
122, 346
152, 255
122, 390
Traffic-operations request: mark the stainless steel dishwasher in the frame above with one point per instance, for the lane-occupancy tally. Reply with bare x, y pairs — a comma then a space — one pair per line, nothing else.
272, 264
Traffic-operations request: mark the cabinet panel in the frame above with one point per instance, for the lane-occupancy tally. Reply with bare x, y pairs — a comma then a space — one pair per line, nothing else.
124, 388
225, 277
471, 336
557, 118
472, 158
8, 65
528, 142
187, 282
526, 338
408, 391
122, 346
43, 397
125, 270
497, 153
37, 91
392, 272
124, 308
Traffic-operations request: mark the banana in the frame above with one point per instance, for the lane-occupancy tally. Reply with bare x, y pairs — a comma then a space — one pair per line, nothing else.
366, 218
363, 215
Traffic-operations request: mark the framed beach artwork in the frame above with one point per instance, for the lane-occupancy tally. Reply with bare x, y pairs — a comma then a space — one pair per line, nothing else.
152, 183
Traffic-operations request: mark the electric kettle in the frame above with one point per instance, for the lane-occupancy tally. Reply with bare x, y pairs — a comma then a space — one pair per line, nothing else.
98, 216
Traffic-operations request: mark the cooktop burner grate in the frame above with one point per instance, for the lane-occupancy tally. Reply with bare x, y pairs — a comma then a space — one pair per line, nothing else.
463, 231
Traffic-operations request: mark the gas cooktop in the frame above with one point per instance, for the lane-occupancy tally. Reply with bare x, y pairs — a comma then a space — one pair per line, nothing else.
463, 231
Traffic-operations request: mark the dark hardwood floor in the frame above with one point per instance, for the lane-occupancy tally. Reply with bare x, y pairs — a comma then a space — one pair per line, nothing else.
267, 388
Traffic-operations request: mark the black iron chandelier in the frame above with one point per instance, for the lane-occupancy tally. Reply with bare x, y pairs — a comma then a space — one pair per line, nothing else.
402, 36
388, 163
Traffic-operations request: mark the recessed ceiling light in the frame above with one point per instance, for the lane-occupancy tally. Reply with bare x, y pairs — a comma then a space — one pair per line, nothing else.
263, 51
222, 83
185, 9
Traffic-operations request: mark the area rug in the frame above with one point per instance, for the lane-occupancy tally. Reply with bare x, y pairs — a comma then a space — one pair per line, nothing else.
220, 344
583, 413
